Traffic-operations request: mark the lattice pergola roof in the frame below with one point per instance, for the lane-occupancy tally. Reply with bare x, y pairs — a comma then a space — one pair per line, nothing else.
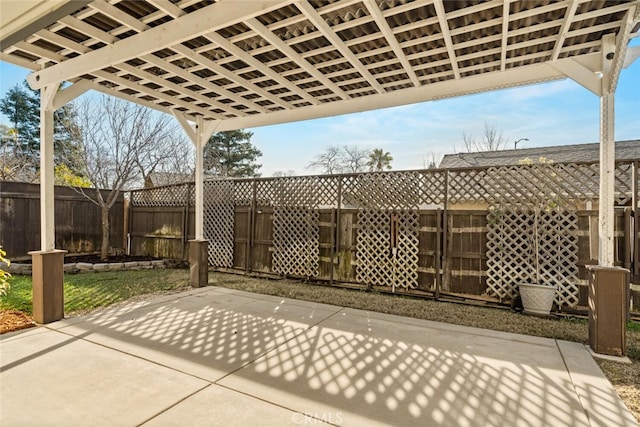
251, 63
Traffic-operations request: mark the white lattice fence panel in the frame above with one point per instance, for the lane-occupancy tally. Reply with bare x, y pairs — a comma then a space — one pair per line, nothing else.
243, 192
527, 185
508, 251
385, 190
378, 263
623, 183
431, 191
511, 249
467, 186
558, 246
296, 239
406, 258
306, 191
173, 195
219, 212
265, 192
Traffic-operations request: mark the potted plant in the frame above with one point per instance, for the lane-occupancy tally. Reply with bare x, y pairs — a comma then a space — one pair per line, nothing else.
537, 297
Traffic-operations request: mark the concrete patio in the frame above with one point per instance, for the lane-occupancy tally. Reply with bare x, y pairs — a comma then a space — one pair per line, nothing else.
215, 356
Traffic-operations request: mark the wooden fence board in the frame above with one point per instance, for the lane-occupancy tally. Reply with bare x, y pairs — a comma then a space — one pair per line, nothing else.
78, 220
335, 216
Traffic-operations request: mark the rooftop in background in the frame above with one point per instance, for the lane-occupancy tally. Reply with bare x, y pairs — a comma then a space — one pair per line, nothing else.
625, 150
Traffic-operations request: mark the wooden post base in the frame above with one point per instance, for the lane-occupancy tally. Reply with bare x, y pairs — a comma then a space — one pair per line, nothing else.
48, 291
608, 306
199, 263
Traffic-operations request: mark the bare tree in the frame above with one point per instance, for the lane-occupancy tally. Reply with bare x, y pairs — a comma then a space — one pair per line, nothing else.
329, 162
429, 161
15, 163
354, 158
116, 137
490, 140
345, 159
170, 162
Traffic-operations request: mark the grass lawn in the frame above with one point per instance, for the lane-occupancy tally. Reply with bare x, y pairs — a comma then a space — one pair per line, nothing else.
87, 292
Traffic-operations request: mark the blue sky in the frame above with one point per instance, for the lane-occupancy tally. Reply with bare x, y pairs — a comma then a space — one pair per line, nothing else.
556, 113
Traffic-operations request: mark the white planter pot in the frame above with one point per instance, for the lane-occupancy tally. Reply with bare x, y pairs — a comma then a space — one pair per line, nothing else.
537, 299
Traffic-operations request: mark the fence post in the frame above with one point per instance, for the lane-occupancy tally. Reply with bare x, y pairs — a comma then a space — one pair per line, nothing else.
444, 281
438, 252
185, 221
126, 224
338, 236
627, 235
635, 200
251, 225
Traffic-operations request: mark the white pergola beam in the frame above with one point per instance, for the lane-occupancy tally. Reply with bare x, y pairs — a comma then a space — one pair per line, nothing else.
580, 74
620, 48
223, 72
90, 30
192, 78
381, 22
564, 29
504, 37
151, 78
182, 29
246, 57
314, 17
483, 82
446, 34
167, 7
292, 55
118, 15
154, 93
112, 92
70, 93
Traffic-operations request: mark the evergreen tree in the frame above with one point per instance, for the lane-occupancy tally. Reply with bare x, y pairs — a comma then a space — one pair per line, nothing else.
22, 106
231, 154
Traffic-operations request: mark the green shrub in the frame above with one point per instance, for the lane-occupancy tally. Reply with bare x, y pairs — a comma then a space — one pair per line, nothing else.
4, 276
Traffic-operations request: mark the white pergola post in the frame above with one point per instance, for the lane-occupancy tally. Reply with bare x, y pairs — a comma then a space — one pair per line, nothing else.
608, 285
200, 142
48, 262
607, 157
47, 218
199, 133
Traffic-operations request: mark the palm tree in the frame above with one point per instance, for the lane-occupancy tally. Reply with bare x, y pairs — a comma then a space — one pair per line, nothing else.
379, 160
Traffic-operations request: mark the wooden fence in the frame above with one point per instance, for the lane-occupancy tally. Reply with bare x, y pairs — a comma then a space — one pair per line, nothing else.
78, 223
419, 232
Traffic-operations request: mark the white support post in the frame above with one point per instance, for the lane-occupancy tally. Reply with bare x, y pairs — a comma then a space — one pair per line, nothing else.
199, 134
199, 178
607, 183
607, 159
47, 263
47, 219
608, 285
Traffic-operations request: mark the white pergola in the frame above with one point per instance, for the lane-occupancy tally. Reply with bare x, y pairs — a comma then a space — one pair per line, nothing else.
230, 64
